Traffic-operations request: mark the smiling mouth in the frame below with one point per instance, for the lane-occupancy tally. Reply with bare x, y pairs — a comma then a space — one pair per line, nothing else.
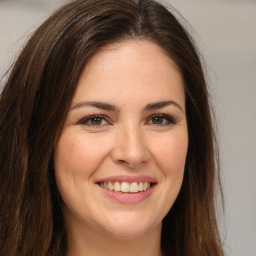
126, 187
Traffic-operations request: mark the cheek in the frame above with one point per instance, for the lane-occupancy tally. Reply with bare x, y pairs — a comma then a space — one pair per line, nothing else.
77, 155
69, 164
170, 154
76, 159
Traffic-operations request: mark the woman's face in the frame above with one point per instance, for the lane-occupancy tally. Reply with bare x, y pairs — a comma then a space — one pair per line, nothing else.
120, 159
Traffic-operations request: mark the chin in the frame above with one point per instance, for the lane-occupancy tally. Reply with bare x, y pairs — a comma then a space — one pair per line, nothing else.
130, 225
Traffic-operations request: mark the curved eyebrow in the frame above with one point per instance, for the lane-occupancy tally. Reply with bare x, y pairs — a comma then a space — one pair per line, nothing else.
96, 104
162, 104
110, 107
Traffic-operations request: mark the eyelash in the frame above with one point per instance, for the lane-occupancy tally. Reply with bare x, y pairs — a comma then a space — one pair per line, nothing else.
170, 120
85, 121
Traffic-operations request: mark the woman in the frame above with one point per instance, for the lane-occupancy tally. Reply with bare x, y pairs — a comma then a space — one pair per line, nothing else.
107, 139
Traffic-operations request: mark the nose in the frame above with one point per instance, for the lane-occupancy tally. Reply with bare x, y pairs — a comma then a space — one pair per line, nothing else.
130, 147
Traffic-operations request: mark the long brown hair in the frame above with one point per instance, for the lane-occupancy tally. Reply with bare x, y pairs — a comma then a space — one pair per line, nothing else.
34, 105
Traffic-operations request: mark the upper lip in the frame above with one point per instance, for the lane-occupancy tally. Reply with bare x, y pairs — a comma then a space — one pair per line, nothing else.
128, 178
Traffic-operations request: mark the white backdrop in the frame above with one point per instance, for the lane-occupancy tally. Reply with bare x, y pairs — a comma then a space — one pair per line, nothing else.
226, 33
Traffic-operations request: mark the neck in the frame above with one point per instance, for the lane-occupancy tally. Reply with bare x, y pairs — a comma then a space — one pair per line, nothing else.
95, 243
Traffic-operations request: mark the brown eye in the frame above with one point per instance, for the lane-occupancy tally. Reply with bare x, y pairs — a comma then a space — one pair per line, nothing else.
94, 120
160, 120
157, 120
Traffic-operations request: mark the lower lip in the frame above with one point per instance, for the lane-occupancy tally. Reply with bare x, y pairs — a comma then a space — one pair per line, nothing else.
128, 198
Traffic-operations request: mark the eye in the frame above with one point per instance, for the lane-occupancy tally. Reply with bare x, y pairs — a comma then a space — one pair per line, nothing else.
94, 120
160, 119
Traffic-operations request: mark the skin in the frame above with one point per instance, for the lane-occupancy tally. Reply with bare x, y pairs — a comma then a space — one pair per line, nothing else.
126, 141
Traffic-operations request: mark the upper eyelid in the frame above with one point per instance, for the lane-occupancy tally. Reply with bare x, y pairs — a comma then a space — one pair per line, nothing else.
161, 115
167, 116
91, 116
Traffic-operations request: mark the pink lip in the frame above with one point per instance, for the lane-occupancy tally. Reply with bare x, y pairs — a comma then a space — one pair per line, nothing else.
128, 198
128, 178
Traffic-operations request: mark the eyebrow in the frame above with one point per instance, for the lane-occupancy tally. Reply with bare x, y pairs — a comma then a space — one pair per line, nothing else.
96, 104
162, 104
110, 107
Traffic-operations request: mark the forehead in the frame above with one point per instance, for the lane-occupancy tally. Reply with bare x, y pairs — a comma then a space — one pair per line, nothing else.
130, 69
124, 55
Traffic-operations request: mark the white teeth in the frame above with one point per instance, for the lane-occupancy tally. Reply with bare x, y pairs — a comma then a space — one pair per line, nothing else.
110, 186
141, 186
134, 188
145, 185
126, 187
117, 186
